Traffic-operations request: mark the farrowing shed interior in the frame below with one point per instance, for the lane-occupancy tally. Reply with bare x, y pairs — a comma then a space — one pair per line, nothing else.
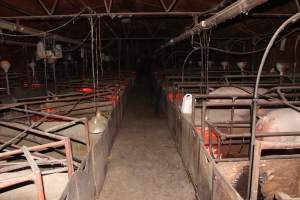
149, 99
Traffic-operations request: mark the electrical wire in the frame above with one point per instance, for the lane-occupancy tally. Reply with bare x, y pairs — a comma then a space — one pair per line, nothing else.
185, 60
79, 45
100, 49
96, 53
202, 57
119, 60
45, 66
93, 59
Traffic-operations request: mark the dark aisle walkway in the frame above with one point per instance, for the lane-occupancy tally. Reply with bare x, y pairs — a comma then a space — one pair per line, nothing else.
144, 164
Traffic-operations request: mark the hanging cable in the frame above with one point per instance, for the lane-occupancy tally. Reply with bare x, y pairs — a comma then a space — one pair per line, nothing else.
96, 53
208, 37
93, 59
205, 57
185, 60
202, 59
100, 49
79, 45
45, 65
119, 60
86, 64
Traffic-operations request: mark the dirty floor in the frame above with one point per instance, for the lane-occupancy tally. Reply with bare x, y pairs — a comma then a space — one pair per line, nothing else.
144, 163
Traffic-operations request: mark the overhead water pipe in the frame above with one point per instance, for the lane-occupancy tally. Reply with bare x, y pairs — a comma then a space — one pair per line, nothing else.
231, 11
31, 31
5, 65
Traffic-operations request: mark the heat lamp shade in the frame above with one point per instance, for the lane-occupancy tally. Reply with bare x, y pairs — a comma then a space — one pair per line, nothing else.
224, 64
5, 65
97, 124
58, 51
241, 65
31, 65
282, 67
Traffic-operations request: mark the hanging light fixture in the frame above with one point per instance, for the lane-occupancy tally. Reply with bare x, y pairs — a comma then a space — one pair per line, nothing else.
242, 66
31, 65
282, 44
5, 65
225, 65
282, 67
272, 70
97, 123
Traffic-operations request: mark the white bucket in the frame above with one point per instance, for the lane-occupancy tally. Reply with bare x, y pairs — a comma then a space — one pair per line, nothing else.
187, 104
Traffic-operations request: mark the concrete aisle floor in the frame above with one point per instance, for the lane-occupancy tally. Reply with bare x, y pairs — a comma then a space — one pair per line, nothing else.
144, 163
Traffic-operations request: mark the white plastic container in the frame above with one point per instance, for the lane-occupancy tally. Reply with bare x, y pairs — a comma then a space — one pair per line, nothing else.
186, 107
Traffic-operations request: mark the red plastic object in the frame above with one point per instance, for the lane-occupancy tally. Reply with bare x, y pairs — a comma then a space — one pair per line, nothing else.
33, 85
206, 140
178, 96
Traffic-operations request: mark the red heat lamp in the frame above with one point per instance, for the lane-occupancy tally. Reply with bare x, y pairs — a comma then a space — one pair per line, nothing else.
206, 141
33, 85
86, 90
206, 136
36, 85
48, 110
